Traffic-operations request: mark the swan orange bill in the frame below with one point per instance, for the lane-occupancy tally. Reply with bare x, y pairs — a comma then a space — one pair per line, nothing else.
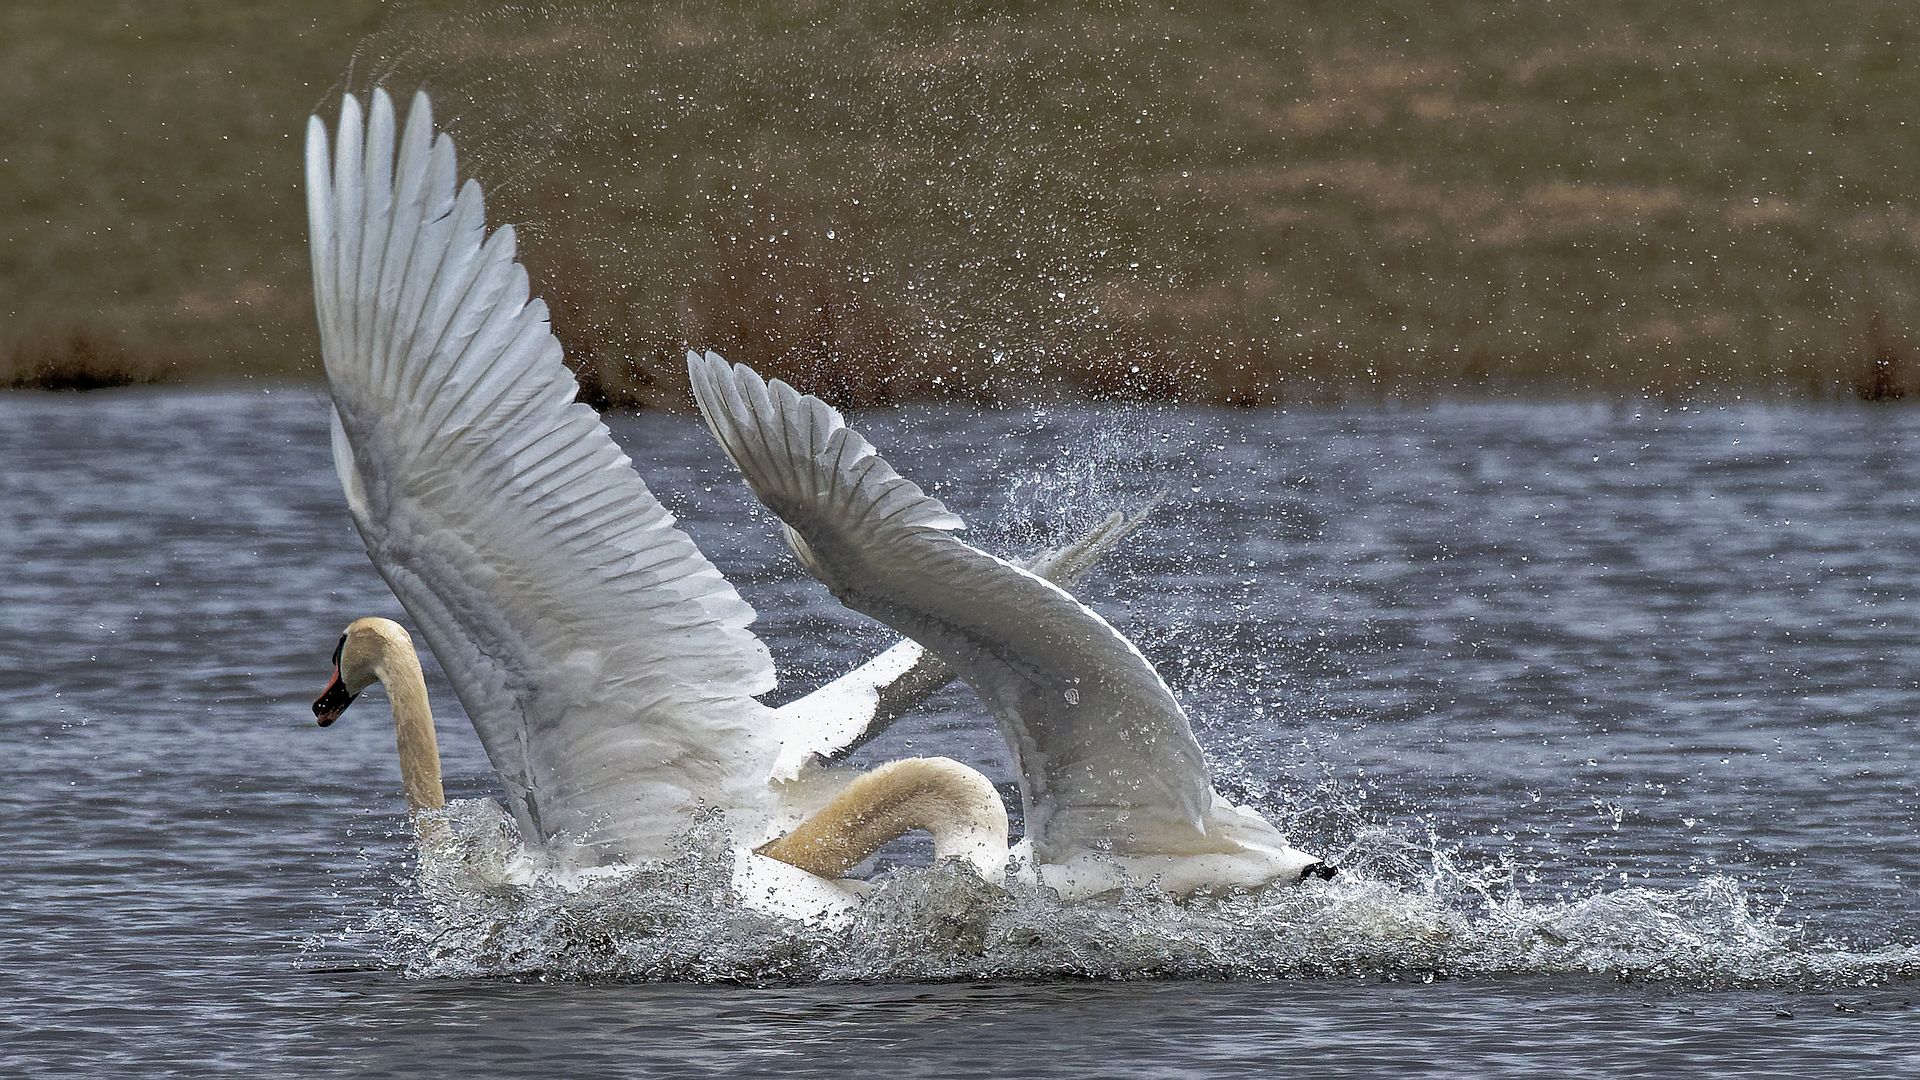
332, 701
336, 697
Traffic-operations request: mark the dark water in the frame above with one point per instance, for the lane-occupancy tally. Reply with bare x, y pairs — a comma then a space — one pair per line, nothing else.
1611, 713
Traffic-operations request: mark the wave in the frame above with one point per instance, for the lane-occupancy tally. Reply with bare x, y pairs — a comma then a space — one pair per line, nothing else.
474, 907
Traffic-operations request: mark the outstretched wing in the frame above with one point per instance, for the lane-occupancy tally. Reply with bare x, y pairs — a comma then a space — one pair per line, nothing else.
605, 663
1107, 759
833, 721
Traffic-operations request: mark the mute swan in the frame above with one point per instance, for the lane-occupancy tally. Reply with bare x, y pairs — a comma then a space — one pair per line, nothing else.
1111, 778
956, 805
604, 662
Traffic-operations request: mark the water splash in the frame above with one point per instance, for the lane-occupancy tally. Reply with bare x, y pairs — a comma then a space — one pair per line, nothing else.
1407, 911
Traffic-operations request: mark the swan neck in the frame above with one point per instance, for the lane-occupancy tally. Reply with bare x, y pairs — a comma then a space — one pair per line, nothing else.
399, 672
954, 803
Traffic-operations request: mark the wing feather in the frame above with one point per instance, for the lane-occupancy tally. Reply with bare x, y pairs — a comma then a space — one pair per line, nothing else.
1107, 759
605, 663
836, 719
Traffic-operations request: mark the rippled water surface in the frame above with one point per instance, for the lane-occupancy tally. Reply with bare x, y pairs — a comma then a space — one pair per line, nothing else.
1610, 714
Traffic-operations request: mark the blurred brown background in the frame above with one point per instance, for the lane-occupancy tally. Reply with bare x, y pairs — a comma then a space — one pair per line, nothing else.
1218, 202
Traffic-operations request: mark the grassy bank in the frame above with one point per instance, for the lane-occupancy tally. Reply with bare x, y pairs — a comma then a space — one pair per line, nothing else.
1239, 203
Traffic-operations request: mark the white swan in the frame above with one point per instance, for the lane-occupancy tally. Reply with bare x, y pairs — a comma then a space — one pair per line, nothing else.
799, 874
1111, 778
606, 665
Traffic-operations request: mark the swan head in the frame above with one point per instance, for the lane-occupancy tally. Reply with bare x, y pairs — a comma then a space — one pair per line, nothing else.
359, 660
379, 650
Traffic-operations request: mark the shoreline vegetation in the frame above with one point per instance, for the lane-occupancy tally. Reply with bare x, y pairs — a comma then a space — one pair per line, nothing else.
1204, 202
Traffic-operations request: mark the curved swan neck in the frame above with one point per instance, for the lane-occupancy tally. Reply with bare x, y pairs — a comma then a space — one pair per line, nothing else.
398, 668
954, 803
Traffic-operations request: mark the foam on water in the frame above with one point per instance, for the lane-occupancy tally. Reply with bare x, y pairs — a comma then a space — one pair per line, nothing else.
1403, 909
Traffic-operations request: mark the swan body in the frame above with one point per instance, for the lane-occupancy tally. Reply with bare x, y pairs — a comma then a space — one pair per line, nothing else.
798, 875
1113, 783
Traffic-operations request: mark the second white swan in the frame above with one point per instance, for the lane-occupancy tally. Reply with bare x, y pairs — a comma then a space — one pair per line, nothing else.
800, 874
1113, 783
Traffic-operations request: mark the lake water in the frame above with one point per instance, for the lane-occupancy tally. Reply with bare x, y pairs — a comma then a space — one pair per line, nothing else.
1609, 714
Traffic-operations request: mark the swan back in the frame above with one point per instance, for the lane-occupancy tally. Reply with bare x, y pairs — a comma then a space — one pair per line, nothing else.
605, 663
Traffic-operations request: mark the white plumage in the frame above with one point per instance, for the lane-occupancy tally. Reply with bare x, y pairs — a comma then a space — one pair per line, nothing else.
604, 661
1113, 782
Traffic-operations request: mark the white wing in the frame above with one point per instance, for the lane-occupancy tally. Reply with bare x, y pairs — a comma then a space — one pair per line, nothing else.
838, 718
833, 721
605, 663
1107, 759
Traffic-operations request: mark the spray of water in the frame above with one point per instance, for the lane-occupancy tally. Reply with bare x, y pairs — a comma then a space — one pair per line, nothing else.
1405, 909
